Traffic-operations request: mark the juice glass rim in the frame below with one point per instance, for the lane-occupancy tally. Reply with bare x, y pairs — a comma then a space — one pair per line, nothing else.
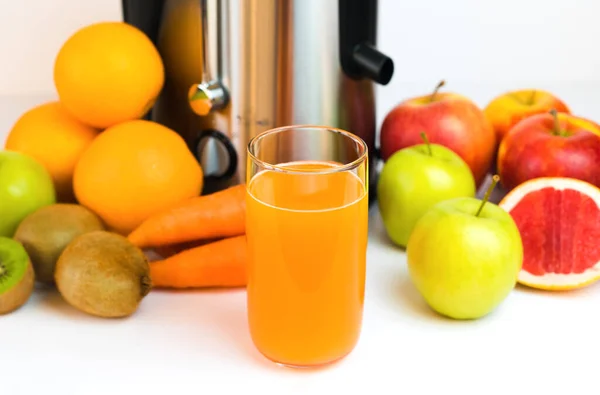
275, 167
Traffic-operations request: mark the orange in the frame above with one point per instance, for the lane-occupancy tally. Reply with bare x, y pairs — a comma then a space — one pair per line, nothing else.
107, 73
133, 170
559, 222
49, 134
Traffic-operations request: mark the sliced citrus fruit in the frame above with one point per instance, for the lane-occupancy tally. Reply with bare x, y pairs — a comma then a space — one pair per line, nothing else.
559, 222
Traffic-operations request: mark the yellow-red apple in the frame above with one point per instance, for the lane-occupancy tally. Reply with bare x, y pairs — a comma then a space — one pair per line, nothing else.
507, 109
448, 119
550, 145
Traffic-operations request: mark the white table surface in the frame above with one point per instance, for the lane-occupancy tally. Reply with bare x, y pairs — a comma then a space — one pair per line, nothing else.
198, 342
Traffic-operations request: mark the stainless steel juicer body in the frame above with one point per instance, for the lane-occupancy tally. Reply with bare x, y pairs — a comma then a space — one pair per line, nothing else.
235, 68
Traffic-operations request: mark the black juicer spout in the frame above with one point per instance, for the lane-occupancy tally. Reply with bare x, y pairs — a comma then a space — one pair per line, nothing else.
358, 36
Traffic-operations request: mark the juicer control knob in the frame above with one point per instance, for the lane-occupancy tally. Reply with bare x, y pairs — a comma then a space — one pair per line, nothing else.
207, 97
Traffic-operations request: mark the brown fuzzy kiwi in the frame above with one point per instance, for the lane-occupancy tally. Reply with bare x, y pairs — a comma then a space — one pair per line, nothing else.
101, 273
46, 232
16, 276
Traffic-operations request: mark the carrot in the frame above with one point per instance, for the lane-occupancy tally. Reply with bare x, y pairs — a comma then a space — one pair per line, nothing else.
172, 249
222, 263
217, 215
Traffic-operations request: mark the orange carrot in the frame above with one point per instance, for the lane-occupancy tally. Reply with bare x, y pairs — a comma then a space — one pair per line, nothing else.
218, 215
172, 249
222, 263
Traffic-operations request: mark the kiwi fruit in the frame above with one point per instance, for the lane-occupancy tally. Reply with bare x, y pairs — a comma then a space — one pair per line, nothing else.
101, 273
16, 275
47, 231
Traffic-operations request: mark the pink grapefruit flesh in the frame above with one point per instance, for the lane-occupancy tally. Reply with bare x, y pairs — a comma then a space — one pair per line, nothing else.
559, 222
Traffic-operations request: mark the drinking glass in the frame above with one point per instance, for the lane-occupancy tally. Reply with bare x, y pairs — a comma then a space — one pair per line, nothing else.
306, 226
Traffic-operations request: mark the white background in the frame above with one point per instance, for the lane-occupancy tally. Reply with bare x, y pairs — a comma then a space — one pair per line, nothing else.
480, 47
197, 342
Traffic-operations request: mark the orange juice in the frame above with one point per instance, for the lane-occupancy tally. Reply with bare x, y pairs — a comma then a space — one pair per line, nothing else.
307, 240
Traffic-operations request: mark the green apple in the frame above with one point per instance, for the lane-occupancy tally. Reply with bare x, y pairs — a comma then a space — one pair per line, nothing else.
464, 256
415, 178
25, 186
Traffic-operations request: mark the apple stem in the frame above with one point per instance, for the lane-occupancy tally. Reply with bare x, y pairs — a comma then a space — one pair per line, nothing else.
488, 193
556, 131
426, 140
437, 88
532, 98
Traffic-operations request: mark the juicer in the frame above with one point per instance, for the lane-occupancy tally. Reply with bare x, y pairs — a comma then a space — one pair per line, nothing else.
236, 68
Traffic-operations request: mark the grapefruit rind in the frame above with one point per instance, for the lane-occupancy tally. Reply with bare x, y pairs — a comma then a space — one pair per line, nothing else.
559, 282
554, 281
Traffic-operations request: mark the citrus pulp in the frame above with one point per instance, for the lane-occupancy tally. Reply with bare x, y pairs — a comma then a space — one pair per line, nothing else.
559, 222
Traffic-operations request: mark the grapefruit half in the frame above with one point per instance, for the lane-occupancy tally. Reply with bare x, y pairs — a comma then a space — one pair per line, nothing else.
559, 222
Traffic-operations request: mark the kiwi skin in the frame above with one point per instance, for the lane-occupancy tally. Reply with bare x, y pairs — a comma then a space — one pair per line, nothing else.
47, 231
103, 274
15, 297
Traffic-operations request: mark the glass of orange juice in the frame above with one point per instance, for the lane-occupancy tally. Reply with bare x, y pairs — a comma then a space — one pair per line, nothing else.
306, 226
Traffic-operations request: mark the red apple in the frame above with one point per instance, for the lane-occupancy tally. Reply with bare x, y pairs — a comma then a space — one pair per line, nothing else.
449, 119
550, 145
